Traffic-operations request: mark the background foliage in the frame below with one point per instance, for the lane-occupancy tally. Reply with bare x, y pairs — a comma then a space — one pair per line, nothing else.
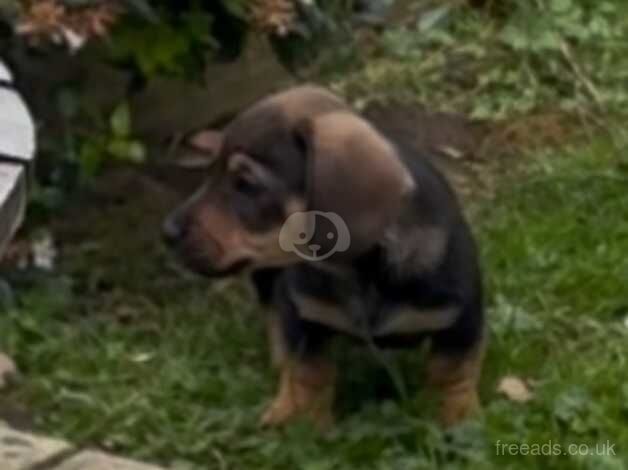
149, 39
175, 37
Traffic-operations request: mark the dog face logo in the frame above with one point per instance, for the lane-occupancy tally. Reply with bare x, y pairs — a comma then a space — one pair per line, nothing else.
314, 235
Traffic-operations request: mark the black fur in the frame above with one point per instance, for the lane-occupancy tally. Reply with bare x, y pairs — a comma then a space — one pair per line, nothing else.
371, 284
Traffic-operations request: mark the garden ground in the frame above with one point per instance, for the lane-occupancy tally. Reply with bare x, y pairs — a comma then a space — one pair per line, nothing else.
120, 351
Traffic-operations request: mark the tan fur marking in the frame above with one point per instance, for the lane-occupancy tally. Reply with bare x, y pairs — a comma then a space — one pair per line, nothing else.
324, 313
306, 390
278, 351
415, 248
208, 141
456, 379
398, 321
302, 101
230, 242
410, 320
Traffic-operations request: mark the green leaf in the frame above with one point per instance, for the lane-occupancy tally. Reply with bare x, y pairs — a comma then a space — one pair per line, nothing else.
127, 150
121, 121
136, 152
91, 158
68, 103
560, 6
10, 11
237, 8
433, 18
142, 8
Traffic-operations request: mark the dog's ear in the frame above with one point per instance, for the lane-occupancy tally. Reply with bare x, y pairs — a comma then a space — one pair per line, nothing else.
207, 141
201, 149
355, 173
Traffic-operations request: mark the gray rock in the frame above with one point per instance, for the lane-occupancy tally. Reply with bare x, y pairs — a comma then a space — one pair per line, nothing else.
12, 200
168, 106
92, 460
19, 451
23, 451
5, 75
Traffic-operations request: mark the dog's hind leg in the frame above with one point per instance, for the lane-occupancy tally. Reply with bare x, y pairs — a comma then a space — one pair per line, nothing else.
276, 342
454, 372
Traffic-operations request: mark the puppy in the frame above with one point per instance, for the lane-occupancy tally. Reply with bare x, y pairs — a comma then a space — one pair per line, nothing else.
343, 231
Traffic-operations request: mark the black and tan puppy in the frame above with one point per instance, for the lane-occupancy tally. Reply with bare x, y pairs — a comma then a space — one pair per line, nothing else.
344, 231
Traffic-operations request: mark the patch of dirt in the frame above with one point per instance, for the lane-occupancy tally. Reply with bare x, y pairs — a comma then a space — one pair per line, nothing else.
452, 142
16, 415
473, 155
530, 132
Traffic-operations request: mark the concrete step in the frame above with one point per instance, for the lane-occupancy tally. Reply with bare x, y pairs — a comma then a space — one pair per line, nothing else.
25, 451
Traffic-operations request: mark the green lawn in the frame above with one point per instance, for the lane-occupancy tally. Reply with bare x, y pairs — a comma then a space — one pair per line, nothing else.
118, 351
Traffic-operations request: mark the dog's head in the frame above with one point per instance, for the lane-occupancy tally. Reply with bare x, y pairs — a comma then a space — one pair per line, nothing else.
298, 177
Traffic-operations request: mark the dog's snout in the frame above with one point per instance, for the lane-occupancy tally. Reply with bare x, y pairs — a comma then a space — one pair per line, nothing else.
173, 229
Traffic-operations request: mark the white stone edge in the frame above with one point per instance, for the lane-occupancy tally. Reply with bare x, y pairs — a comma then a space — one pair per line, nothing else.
27, 125
5, 75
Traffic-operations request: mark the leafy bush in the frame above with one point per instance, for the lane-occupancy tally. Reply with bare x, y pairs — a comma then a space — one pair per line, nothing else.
566, 55
150, 39
88, 140
176, 37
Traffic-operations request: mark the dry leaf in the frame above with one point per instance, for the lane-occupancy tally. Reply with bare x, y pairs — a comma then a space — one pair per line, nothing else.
42, 18
515, 389
44, 252
140, 358
74, 41
72, 25
277, 17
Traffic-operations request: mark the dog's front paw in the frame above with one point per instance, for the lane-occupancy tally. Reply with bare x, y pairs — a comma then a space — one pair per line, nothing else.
306, 391
279, 412
284, 410
458, 406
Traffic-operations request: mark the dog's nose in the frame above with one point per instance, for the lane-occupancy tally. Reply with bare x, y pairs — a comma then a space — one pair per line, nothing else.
172, 229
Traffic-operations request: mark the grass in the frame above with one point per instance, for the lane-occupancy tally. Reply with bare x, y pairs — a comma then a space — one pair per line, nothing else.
119, 352
564, 55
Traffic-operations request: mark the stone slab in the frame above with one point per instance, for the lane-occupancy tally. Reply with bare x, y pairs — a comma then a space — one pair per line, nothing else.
5, 75
19, 451
12, 200
167, 107
17, 131
93, 460
24, 451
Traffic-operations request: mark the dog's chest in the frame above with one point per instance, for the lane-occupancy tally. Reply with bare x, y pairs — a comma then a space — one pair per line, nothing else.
362, 309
